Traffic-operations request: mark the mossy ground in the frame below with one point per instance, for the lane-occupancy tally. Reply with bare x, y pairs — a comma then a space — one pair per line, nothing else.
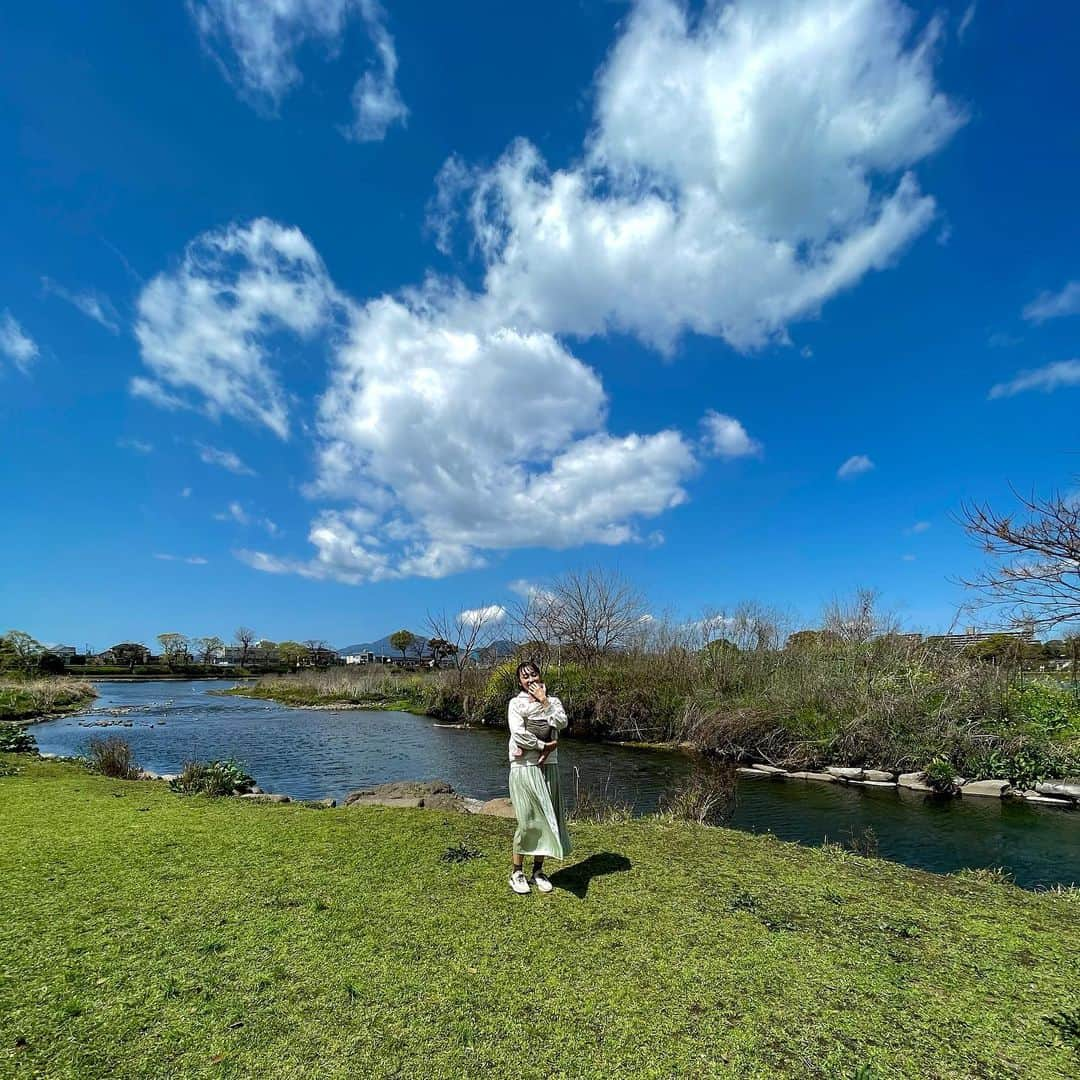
149, 935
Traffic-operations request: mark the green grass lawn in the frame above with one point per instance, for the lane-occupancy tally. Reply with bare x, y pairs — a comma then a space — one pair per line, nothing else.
145, 934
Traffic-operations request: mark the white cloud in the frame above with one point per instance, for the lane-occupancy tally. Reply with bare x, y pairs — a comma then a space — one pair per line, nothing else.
138, 445
1046, 378
255, 44
967, 19
204, 328
191, 560
377, 105
855, 466
493, 613
224, 459
725, 437
235, 513
682, 214
1051, 305
918, 527
93, 305
185, 493
16, 344
907, 558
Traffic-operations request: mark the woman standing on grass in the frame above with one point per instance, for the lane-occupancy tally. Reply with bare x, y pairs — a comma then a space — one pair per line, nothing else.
535, 720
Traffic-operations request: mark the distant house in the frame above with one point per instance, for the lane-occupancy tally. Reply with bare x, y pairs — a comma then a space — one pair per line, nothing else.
127, 652
257, 655
360, 658
972, 635
66, 652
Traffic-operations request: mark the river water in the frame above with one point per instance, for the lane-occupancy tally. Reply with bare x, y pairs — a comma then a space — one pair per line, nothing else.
312, 754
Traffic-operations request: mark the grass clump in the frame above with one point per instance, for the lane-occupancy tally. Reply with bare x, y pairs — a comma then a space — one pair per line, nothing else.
244, 942
112, 755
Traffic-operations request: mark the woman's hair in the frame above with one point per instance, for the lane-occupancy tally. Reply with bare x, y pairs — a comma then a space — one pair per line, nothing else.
527, 665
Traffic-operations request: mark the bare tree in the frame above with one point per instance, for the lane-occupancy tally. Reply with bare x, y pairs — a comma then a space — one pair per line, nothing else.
210, 648
467, 633
244, 636
586, 614
1036, 580
174, 647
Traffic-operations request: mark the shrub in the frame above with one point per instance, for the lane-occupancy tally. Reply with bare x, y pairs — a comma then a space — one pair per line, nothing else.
215, 778
112, 756
16, 740
941, 776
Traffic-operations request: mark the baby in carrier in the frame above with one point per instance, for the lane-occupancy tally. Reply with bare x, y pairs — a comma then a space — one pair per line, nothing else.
538, 726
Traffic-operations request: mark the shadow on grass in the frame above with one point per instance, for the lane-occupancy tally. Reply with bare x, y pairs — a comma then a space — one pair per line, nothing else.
576, 878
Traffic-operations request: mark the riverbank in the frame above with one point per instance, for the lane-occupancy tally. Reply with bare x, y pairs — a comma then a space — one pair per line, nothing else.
377, 942
32, 700
301, 696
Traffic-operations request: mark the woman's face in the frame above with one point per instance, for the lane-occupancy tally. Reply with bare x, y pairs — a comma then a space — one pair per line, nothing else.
528, 676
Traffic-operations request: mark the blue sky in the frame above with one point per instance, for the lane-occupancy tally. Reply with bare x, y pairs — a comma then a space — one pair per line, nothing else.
319, 323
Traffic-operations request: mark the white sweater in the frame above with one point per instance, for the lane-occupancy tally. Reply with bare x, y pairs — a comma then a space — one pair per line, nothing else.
523, 707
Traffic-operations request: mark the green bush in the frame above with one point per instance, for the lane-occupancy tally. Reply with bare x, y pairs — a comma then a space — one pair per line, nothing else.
215, 778
16, 740
112, 756
1044, 706
941, 776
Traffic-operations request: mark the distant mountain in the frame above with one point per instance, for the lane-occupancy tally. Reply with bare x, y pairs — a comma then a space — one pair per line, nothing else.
382, 647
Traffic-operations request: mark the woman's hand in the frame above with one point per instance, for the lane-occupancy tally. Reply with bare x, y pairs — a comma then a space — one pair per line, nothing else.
539, 691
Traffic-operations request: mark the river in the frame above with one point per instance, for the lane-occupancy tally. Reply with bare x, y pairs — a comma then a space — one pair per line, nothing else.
312, 754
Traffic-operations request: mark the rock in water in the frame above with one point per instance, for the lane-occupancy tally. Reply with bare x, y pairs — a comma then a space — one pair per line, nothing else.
990, 789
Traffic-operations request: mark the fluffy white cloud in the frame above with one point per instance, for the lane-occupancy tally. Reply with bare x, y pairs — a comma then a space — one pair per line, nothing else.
918, 527
725, 437
16, 344
224, 459
741, 171
93, 305
1046, 378
967, 19
191, 560
255, 44
1051, 305
855, 465
486, 616
203, 328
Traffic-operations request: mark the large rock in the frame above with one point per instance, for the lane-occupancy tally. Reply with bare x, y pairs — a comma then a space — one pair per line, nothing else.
879, 775
472, 806
443, 800
1068, 789
402, 789
753, 774
913, 781
844, 773
265, 798
989, 789
1043, 800
823, 777
500, 808
772, 770
873, 783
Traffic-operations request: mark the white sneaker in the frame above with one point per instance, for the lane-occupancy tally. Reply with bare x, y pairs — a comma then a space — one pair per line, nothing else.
541, 881
518, 882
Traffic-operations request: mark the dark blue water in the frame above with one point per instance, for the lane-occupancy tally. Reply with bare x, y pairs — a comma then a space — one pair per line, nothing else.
312, 754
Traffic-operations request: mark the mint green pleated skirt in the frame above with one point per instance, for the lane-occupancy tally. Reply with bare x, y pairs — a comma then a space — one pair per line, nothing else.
537, 799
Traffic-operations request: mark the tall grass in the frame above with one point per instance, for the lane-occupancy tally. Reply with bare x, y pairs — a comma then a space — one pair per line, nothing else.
26, 698
113, 756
